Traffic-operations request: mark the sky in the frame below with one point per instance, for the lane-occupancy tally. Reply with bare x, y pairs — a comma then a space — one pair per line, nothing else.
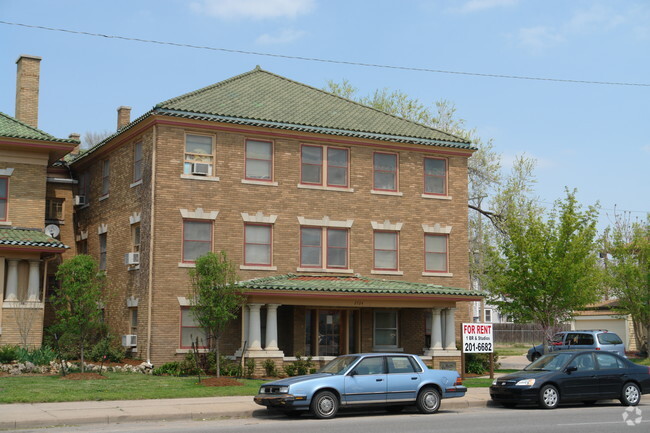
592, 137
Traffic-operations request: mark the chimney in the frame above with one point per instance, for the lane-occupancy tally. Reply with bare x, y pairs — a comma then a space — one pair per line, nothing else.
75, 136
27, 78
123, 117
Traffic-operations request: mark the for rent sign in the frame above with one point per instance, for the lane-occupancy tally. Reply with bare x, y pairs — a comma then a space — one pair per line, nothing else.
477, 338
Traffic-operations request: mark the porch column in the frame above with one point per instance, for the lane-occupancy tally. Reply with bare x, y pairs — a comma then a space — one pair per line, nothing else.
34, 277
436, 329
272, 327
12, 280
450, 330
254, 327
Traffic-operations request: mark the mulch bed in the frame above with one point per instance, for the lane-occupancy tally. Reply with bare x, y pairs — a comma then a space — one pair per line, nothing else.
220, 381
83, 376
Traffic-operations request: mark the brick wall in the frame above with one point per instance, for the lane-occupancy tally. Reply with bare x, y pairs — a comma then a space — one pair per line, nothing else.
26, 204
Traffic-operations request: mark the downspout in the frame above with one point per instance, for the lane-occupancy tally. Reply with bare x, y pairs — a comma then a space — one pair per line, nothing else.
151, 246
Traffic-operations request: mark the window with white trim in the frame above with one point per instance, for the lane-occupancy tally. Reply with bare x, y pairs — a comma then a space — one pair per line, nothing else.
199, 149
106, 179
197, 239
435, 176
259, 160
488, 315
385, 169
137, 161
385, 329
4, 198
324, 165
258, 245
54, 208
324, 247
386, 250
191, 330
435, 252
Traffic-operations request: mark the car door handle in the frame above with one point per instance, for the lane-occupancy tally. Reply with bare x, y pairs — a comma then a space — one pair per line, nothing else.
379, 380
414, 378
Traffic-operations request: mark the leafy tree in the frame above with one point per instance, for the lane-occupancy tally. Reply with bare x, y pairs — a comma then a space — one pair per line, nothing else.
216, 298
542, 270
628, 271
77, 300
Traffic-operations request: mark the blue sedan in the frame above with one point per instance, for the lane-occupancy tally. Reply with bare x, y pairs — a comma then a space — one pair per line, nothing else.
373, 379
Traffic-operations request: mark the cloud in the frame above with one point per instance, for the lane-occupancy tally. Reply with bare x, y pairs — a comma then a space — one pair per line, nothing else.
282, 37
538, 38
253, 9
481, 5
597, 17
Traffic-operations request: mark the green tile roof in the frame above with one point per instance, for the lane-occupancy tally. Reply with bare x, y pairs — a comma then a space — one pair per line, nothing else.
10, 127
351, 284
28, 238
261, 98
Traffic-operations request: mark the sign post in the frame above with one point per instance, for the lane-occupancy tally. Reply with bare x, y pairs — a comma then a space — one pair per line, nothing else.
478, 338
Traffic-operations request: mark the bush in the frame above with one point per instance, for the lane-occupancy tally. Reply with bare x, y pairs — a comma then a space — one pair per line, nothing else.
228, 367
168, 369
108, 347
299, 367
8, 354
269, 368
41, 356
250, 367
479, 363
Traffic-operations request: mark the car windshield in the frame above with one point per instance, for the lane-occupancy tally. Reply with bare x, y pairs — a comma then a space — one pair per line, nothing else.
338, 365
553, 361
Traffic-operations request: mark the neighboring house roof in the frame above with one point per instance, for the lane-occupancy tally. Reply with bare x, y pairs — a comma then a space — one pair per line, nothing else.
11, 127
350, 284
261, 98
603, 308
28, 238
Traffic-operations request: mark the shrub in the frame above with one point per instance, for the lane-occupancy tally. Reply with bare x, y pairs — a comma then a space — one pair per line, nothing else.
41, 356
168, 369
290, 369
108, 347
8, 354
299, 367
250, 367
269, 368
228, 367
479, 363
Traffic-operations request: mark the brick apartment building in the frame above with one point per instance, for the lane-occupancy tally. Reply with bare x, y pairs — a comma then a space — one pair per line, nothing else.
348, 225
35, 211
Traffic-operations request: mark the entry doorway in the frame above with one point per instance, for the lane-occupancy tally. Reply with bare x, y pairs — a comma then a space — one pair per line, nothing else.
331, 332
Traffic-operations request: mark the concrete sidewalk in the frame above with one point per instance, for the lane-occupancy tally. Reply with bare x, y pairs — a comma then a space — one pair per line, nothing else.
22, 416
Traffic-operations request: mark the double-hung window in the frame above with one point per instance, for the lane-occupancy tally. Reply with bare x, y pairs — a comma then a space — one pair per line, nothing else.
4, 197
435, 253
135, 238
102, 251
258, 240
197, 239
84, 185
386, 248
137, 161
435, 176
385, 172
324, 166
106, 177
199, 155
323, 247
191, 330
54, 208
386, 329
259, 160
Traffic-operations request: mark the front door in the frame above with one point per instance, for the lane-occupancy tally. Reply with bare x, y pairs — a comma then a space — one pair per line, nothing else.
582, 383
329, 333
366, 383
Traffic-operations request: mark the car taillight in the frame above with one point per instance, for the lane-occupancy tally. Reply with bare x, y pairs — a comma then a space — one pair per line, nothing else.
458, 382
597, 348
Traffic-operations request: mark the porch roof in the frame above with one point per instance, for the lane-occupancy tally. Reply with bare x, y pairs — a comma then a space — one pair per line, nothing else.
28, 238
351, 284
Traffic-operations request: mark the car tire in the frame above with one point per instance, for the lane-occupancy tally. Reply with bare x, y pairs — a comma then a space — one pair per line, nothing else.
428, 400
549, 397
630, 395
324, 405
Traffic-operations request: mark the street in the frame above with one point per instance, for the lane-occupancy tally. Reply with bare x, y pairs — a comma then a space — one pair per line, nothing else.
605, 417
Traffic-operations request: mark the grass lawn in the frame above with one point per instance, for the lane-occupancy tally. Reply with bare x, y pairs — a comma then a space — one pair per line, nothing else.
512, 350
118, 386
645, 361
478, 382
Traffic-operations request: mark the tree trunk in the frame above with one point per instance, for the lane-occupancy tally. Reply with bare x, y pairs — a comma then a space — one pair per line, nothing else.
83, 366
647, 341
216, 352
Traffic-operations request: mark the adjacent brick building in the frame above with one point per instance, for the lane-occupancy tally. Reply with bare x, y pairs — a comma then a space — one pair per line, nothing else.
348, 225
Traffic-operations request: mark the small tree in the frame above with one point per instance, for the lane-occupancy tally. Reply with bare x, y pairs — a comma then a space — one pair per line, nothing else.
543, 270
216, 298
77, 300
628, 272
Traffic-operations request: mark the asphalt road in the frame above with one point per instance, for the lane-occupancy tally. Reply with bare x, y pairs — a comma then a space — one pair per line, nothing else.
606, 418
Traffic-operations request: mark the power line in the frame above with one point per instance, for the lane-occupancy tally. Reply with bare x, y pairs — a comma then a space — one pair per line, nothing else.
340, 62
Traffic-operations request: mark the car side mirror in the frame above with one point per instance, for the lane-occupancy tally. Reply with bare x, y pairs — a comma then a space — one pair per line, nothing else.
570, 369
353, 373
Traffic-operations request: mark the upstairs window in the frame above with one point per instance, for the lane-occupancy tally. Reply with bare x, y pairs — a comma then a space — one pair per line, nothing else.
435, 251
4, 197
135, 238
84, 185
106, 172
137, 161
386, 251
197, 239
259, 160
54, 209
384, 171
102, 251
199, 155
317, 243
435, 176
325, 166
257, 245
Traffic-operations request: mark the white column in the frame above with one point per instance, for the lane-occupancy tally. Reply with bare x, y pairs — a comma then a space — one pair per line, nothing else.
254, 327
12, 280
272, 327
34, 277
450, 330
436, 329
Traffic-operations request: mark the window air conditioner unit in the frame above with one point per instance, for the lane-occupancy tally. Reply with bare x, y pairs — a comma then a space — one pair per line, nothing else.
79, 200
129, 340
201, 169
132, 258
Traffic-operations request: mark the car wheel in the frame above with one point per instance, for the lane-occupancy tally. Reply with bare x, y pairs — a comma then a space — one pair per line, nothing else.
509, 405
631, 395
428, 400
549, 397
395, 409
325, 405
